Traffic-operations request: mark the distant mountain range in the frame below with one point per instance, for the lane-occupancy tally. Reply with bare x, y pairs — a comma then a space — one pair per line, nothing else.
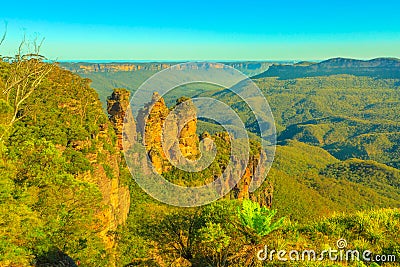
379, 68
247, 67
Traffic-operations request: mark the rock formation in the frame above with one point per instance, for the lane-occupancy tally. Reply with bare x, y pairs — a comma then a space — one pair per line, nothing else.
168, 136
115, 197
121, 117
187, 124
150, 122
262, 195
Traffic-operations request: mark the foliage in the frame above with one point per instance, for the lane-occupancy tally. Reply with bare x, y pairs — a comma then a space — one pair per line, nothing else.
258, 219
49, 209
213, 242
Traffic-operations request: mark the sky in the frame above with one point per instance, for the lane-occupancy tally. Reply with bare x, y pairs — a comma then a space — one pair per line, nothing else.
204, 30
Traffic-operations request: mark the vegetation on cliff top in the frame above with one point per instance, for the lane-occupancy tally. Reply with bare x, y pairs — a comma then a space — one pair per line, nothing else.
54, 147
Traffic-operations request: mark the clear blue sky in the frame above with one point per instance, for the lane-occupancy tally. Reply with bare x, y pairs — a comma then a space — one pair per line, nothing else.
201, 30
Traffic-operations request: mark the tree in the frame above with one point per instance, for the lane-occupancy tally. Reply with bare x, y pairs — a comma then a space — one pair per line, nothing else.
205, 236
178, 231
214, 242
25, 72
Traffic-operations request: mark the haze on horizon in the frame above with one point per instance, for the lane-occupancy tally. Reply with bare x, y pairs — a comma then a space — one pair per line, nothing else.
251, 30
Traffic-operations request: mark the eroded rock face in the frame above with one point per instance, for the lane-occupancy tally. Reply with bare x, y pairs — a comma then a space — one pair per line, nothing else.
168, 136
252, 170
180, 140
262, 195
115, 67
150, 127
121, 116
116, 198
187, 126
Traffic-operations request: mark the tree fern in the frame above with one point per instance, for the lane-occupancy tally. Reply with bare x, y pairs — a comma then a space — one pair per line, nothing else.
258, 219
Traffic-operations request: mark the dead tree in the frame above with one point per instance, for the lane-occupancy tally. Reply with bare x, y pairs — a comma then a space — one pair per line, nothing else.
26, 71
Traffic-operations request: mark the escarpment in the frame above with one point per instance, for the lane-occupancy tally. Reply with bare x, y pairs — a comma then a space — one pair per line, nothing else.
105, 159
249, 68
67, 161
84, 132
103, 154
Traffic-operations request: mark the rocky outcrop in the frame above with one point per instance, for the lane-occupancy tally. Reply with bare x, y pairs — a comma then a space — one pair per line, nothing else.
121, 117
106, 175
116, 198
180, 139
252, 170
174, 141
105, 161
150, 125
187, 126
170, 137
262, 195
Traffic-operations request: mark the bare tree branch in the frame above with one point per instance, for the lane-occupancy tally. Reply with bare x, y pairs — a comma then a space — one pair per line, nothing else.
4, 34
26, 72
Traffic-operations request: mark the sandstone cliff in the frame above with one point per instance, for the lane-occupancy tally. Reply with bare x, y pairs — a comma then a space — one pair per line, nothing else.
66, 114
151, 127
378, 68
114, 67
178, 135
248, 68
116, 198
121, 117
180, 142
104, 156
